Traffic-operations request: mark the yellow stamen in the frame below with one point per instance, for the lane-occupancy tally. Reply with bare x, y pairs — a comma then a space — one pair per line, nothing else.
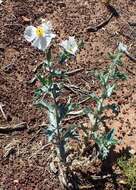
40, 31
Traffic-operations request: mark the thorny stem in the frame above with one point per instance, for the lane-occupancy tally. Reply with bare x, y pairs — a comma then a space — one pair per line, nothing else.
60, 146
98, 112
63, 169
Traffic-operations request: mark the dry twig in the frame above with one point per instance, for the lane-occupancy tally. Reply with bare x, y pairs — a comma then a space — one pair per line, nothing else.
105, 22
18, 127
1, 109
132, 58
42, 148
74, 71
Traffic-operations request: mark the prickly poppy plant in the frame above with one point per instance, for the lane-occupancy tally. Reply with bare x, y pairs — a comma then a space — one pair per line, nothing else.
50, 91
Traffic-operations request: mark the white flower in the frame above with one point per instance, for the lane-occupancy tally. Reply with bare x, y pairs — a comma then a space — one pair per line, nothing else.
40, 36
122, 47
70, 45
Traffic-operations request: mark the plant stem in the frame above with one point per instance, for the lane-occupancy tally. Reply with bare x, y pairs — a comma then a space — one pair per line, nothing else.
102, 97
63, 168
60, 145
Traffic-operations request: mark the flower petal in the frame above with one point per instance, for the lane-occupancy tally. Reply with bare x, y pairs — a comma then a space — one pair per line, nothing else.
45, 42
72, 39
122, 47
42, 43
30, 33
47, 27
64, 44
70, 45
36, 43
51, 35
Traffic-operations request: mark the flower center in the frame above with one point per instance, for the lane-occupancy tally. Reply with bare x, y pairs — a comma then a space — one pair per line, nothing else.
40, 32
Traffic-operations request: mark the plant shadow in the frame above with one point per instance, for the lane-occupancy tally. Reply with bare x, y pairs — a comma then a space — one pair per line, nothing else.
106, 176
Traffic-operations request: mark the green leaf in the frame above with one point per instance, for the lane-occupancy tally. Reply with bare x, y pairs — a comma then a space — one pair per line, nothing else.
110, 90
38, 92
55, 90
51, 131
116, 58
103, 78
71, 133
94, 97
114, 107
88, 110
64, 56
42, 79
120, 75
50, 134
52, 127
64, 109
45, 89
43, 104
110, 135
57, 73
104, 142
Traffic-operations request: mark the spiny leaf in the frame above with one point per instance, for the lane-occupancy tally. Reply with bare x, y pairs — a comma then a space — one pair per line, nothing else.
120, 75
71, 133
114, 107
116, 58
42, 79
64, 109
64, 56
38, 92
55, 89
110, 90
44, 104
110, 134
